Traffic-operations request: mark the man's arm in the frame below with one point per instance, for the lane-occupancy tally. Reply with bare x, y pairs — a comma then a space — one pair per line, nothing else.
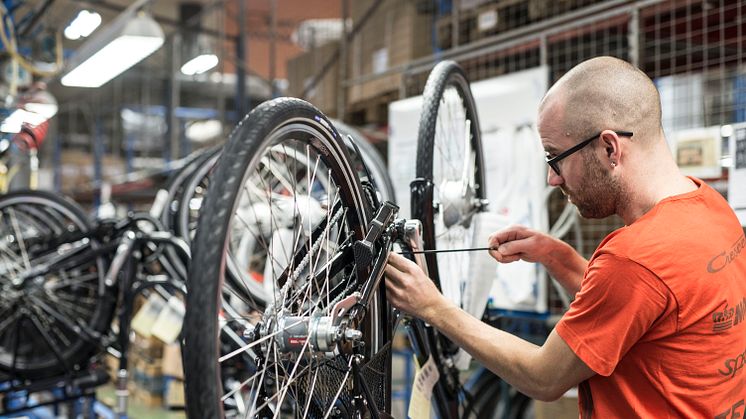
543, 373
521, 243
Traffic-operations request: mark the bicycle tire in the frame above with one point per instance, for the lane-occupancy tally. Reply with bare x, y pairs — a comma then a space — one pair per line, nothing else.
51, 309
194, 188
445, 197
490, 400
444, 76
249, 147
371, 159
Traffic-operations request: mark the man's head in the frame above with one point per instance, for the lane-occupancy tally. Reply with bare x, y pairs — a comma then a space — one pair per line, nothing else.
593, 100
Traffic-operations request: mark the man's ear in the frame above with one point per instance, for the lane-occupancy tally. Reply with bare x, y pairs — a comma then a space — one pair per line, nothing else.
612, 146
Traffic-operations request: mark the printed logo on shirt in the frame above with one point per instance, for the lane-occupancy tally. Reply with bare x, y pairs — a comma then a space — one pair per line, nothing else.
734, 411
732, 365
729, 317
722, 260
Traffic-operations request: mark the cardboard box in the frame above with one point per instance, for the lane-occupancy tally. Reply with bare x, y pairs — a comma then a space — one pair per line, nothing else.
304, 67
173, 396
144, 397
77, 170
395, 34
171, 363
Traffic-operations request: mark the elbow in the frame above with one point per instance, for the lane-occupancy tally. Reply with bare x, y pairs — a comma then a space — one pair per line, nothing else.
548, 395
549, 392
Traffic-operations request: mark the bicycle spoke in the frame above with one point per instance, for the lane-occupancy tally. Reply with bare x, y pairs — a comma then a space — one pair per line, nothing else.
19, 237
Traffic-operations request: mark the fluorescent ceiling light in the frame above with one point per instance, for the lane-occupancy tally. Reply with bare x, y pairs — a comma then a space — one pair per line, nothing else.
199, 64
83, 25
126, 42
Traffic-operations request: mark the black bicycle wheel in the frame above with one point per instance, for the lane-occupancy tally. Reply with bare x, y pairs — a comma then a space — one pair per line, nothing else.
53, 308
194, 188
449, 158
283, 203
192, 196
492, 398
448, 192
371, 160
175, 186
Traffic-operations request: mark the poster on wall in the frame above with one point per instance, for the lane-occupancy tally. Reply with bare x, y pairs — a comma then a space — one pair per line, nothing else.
737, 173
697, 152
515, 171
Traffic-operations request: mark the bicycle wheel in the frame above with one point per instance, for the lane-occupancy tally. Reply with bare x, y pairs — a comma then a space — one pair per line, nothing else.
53, 309
492, 398
192, 197
449, 159
448, 192
195, 187
284, 204
371, 160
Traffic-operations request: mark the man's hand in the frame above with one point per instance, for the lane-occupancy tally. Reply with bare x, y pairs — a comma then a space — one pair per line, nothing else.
520, 243
410, 290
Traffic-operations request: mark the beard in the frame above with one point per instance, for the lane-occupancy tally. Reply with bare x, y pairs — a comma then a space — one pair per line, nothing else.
597, 193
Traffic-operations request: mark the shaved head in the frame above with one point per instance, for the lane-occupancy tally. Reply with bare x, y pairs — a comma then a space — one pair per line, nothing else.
606, 93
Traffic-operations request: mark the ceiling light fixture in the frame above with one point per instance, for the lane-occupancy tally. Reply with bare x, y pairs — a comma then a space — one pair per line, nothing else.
199, 64
83, 25
129, 39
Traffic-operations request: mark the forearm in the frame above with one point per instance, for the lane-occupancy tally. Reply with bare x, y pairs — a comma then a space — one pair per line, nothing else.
566, 266
511, 358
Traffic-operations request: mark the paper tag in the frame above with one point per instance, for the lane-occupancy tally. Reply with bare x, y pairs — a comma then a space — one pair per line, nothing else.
420, 406
168, 324
146, 317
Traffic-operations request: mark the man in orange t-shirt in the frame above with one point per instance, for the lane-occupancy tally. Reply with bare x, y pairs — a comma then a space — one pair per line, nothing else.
658, 324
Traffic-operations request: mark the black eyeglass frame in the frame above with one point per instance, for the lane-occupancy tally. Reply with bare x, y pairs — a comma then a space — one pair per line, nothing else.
554, 161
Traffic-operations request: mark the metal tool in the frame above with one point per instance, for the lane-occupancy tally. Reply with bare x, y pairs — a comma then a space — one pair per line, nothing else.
470, 249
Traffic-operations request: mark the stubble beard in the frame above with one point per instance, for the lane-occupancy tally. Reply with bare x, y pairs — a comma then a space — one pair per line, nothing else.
597, 193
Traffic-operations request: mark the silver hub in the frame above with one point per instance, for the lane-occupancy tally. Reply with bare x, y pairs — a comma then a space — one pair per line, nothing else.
457, 203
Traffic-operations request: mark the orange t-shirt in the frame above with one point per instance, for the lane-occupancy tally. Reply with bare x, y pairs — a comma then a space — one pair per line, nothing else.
661, 314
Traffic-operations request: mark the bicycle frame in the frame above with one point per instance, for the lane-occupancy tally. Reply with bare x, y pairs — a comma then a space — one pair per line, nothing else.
125, 241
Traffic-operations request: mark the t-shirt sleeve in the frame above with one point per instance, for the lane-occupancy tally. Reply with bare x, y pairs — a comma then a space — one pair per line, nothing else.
617, 303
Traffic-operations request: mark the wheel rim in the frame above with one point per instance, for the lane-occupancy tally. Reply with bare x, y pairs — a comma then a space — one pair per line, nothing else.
48, 308
288, 193
456, 191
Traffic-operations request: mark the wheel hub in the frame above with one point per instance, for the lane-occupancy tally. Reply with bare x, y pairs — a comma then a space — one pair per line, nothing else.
457, 203
312, 334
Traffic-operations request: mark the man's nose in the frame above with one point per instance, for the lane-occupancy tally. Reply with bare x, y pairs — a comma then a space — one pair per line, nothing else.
553, 179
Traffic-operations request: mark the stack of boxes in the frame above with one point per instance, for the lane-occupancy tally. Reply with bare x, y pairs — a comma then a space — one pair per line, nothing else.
156, 371
146, 371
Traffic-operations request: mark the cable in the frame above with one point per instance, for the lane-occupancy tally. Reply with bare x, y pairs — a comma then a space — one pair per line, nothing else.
10, 47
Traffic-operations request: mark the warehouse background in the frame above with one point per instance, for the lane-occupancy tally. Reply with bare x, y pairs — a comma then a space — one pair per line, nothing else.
352, 58
152, 115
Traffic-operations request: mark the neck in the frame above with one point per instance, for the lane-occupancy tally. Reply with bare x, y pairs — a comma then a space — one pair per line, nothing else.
646, 186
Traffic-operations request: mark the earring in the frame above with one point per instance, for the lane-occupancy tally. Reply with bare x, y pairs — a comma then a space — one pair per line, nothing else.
613, 164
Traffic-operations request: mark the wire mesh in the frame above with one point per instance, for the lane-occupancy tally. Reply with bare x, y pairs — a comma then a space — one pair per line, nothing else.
692, 49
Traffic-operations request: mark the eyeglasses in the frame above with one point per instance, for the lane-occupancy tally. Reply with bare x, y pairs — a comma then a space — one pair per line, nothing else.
554, 161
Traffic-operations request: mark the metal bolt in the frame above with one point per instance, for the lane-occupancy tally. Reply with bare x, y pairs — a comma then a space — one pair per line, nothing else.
353, 334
